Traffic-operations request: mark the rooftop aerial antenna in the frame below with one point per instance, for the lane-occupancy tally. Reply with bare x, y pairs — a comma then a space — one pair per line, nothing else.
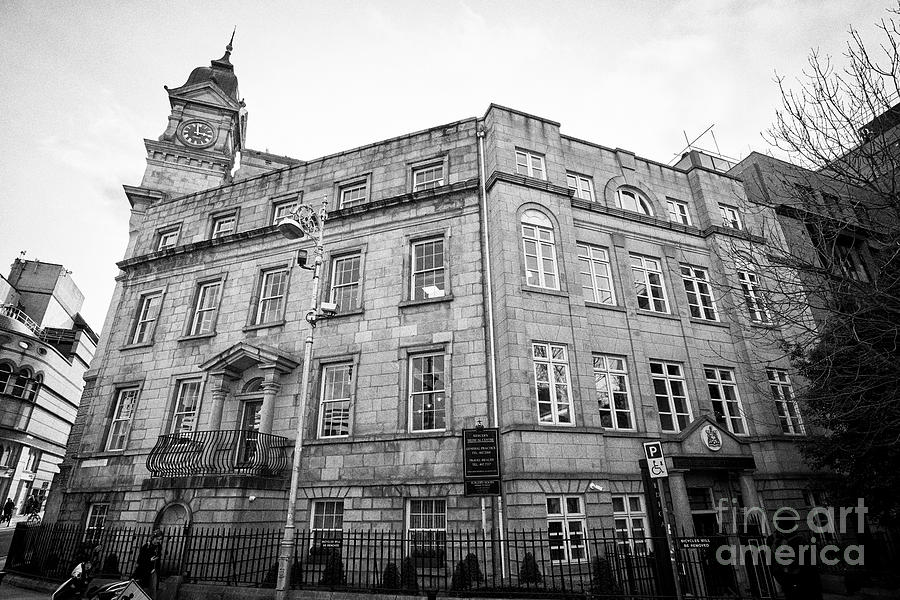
692, 145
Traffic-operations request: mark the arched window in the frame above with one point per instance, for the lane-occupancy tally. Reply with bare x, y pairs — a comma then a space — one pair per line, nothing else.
633, 200
540, 250
22, 383
34, 387
5, 375
253, 386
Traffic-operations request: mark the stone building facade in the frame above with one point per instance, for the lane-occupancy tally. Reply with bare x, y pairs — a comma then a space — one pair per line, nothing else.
488, 271
45, 348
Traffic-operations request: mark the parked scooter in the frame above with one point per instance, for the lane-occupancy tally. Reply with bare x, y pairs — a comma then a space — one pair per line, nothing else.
74, 587
77, 588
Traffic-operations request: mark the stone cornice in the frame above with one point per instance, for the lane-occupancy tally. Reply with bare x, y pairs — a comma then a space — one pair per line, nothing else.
270, 230
531, 182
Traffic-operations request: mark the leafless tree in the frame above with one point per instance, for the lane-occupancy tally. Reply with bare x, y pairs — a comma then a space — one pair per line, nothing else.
828, 243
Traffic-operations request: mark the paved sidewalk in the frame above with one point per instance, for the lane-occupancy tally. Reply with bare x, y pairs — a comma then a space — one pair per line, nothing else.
8, 592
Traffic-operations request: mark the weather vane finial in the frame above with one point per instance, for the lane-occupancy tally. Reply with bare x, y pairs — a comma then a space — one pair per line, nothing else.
231, 42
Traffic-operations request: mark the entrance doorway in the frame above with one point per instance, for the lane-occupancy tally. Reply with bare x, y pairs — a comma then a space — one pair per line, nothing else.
249, 433
173, 520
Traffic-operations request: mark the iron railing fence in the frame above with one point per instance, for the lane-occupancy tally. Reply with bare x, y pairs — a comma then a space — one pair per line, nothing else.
226, 452
51, 550
599, 563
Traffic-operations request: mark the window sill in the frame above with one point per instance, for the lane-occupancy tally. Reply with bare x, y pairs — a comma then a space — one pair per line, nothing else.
447, 298
543, 428
761, 325
710, 323
351, 313
199, 336
108, 453
625, 433
136, 346
612, 307
780, 437
540, 290
278, 323
382, 437
658, 315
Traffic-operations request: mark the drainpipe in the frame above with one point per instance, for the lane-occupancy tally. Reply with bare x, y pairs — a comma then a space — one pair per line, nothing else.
491, 336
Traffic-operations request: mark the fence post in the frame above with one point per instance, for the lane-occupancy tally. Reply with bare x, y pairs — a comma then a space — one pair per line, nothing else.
185, 549
17, 545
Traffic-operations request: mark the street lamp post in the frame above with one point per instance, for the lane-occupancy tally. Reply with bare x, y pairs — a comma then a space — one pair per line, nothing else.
302, 222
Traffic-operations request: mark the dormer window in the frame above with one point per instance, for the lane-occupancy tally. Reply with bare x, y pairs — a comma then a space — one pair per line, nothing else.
634, 201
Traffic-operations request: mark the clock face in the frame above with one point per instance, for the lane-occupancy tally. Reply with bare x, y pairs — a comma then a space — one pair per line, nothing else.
197, 133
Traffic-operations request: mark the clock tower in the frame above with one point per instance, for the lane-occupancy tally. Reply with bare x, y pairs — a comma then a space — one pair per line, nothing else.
205, 133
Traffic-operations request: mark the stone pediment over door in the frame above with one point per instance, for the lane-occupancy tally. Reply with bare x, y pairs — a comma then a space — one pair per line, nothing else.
708, 445
230, 365
242, 356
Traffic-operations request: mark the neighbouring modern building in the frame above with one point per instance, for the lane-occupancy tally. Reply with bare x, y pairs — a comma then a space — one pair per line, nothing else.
492, 270
45, 348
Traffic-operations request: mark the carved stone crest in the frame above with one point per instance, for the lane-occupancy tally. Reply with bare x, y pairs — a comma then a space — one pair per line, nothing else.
711, 437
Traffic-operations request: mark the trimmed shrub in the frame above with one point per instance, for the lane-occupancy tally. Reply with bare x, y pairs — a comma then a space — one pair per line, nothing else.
333, 574
529, 571
111, 566
602, 579
390, 579
409, 576
474, 568
467, 573
271, 578
51, 562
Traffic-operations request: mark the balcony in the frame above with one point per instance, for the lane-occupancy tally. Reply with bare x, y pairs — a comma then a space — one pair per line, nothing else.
201, 453
15, 319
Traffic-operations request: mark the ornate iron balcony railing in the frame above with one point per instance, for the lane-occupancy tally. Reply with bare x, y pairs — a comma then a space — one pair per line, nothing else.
229, 452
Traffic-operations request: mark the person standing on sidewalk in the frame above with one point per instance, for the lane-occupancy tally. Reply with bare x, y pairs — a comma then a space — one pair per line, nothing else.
8, 509
146, 573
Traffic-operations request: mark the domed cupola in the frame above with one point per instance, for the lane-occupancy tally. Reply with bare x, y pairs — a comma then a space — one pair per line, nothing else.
220, 72
204, 134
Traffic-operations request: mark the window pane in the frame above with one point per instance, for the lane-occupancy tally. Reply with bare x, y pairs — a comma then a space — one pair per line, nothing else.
345, 282
428, 400
334, 418
428, 269
671, 400
553, 397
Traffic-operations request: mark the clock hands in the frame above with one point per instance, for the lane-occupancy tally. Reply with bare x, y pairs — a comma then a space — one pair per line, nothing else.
197, 133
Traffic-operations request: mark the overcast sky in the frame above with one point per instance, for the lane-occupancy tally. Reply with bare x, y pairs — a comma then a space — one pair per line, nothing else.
81, 87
